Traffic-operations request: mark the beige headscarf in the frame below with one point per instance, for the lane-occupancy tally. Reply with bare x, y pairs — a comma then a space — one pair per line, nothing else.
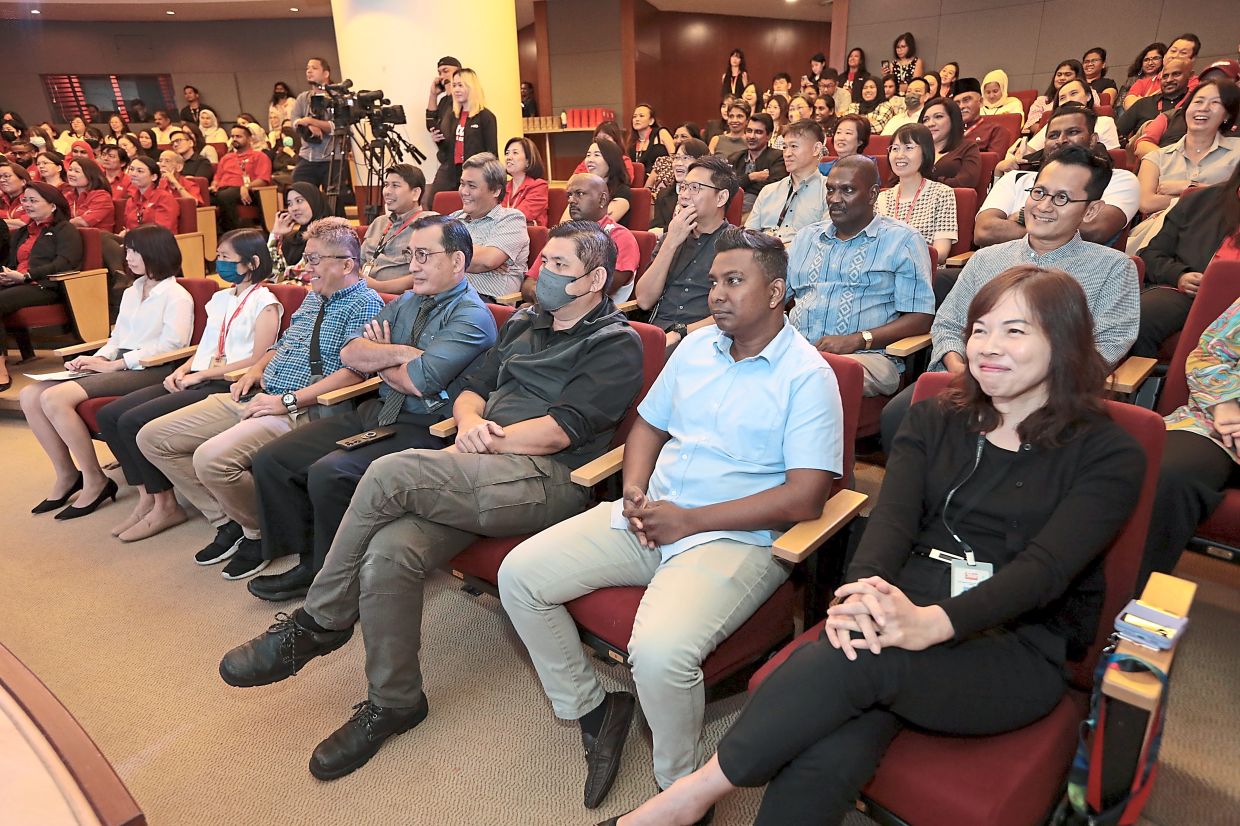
1005, 104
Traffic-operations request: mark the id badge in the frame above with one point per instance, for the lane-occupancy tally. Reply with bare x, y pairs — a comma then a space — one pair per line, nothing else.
966, 577
216, 361
366, 268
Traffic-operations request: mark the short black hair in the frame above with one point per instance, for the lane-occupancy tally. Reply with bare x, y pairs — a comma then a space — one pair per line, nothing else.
768, 251
919, 134
1074, 108
722, 175
782, 76
1228, 95
250, 243
453, 232
806, 127
410, 174
322, 61
818, 57
829, 74
1099, 167
593, 246
195, 88
163, 112
766, 120
149, 163
1191, 38
158, 248
119, 150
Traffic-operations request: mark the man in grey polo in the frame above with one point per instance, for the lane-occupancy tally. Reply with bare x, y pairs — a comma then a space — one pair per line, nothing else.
543, 401
314, 157
501, 244
384, 264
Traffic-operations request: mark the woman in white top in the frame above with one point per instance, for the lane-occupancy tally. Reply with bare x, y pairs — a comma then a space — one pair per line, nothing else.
927, 206
210, 126
242, 323
995, 99
156, 316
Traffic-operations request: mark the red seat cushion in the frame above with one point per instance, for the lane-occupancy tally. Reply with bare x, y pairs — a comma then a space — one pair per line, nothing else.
869, 417
483, 557
89, 411
47, 315
1223, 526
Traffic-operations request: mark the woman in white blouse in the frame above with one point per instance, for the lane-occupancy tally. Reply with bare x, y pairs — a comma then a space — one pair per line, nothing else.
927, 206
156, 316
242, 323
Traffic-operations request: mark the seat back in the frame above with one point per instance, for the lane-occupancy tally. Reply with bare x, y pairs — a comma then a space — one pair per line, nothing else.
204, 186
557, 202
645, 246
187, 218
538, 239
639, 174
1104, 110
1010, 121
884, 167
1120, 159
1139, 262
1123, 555
118, 212
221, 149
501, 313
640, 208
290, 297
201, 290
1220, 287
92, 251
849, 377
987, 176
447, 202
654, 355
366, 196
878, 145
735, 206
1026, 97
966, 214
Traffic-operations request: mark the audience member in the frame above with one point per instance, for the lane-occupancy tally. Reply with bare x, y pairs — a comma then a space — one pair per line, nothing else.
242, 324
659, 176
315, 132
750, 97
206, 449
543, 401
918, 200
1167, 129
238, 173
148, 144
760, 164
51, 169
76, 132
162, 130
156, 316
13, 180
861, 281
1077, 91
1094, 62
948, 76
89, 196
1186, 47
668, 201
173, 180
1143, 74
932, 85
825, 116
732, 142
648, 140
995, 98
735, 76
129, 143
194, 164
786, 206
957, 162
907, 64
777, 110
114, 160
829, 86
604, 158
467, 130
710, 567
527, 181
1046, 102
212, 132
929, 656
116, 128
1172, 87
915, 95
781, 86
609, 130
147, 202
501, 243
193, 104
852, 135
719, 125
303, 205
871, 104
855, 69
988, 134
384, 252
280, 108
529, 105
799, 108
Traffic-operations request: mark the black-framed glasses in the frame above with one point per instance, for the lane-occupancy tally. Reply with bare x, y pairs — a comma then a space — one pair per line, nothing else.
314, 258
420, 255
694, 187
1039, 193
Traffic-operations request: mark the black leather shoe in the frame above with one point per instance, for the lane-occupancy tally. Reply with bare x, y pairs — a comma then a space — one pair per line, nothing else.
279, 653
292, 584
49, 505
704, 820
353, 744
603, 752
73, 511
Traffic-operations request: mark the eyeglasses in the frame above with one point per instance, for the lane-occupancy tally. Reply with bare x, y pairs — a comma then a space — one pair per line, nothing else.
420, 255
314, 258
694, 187
1151, 59
1039, 193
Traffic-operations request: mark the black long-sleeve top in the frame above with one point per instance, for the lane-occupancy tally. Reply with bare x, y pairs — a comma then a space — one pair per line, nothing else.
1041, 516
58, 249
1191, 233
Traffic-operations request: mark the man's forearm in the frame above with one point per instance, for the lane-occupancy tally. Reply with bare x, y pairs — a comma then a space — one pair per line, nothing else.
992, 229
651, 285
533, 437
1105, 226
799, 499
487, 259
342, 378
641, 451
903, 326
469, 405
370, 357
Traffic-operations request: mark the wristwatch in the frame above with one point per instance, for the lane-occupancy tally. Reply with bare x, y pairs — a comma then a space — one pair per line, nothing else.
289, 400
868, 338
679, 329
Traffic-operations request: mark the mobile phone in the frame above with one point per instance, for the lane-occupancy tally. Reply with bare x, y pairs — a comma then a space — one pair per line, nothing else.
886, 66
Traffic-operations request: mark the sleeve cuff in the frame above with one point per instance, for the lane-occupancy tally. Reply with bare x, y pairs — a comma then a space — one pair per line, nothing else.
133, 360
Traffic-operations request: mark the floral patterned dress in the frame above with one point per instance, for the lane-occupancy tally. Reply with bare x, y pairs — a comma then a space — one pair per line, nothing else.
1213, 374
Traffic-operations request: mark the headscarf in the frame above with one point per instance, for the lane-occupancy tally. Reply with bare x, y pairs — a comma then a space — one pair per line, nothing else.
995, 76
865, 107
90, 152
294, 245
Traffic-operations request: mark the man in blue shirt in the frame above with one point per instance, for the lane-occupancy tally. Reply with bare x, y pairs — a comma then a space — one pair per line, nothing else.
739, 437
419, 344
206, 449
861, 281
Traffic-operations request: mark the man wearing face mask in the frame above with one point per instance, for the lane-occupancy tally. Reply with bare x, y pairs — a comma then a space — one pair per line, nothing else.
419, 345
239, 171
587, 201
543, 401
915, 95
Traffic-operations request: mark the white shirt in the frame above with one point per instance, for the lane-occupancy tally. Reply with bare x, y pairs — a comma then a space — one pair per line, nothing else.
162, 322
239, 336
900, 119
1105, 129
1009, 192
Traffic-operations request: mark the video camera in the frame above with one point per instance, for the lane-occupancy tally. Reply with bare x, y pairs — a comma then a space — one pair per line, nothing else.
345, 108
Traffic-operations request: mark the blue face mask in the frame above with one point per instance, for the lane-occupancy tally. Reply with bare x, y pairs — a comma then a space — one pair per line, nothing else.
227, 270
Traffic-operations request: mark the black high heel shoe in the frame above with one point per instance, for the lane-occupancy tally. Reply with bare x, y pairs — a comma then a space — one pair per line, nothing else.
109, 492
52, 504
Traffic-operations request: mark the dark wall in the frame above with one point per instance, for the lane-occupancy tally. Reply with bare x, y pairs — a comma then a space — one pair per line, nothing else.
527, 54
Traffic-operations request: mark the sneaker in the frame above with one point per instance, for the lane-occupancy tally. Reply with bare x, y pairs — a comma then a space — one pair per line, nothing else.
247, 561
223, 546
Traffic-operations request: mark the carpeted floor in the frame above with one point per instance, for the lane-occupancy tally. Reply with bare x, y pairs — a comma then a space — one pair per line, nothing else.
129, 637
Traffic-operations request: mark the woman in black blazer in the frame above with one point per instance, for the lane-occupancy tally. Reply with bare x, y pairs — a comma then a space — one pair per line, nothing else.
49, 244
462, 132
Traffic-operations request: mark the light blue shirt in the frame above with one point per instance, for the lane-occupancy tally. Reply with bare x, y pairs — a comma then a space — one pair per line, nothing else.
783, 210
844, 287
737, 427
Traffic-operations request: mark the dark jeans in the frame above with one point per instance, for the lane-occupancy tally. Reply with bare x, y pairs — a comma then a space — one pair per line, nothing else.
312, 172
1163, 311
228, 200
815, 730
1191, 480
120, 421
304, 481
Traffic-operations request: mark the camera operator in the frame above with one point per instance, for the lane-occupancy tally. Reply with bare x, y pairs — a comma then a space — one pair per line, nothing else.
465, 127
315, 132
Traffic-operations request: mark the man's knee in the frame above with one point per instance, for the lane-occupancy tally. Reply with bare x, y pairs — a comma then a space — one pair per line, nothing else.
658, 655
389, 560
218, 463
333, 475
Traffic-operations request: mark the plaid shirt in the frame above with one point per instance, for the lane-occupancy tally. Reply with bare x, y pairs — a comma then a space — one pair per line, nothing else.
347, 312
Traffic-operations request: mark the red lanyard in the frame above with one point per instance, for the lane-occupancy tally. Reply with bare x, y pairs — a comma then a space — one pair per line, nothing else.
390, 235
219, 350
909, 218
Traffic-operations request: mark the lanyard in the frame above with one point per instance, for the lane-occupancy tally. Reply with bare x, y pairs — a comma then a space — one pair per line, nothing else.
967, 509
388, 235
792, 193
224, 328
908, 219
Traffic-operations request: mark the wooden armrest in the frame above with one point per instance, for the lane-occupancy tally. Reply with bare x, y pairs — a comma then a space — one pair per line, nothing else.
350, 392
804, 538
78, 349
958, 260
233, 375
709, 321
445, 429
591, 473
169, 357
1139, 688
627, 307
1131, 372
907, 346
76, 275
511, 299
193, 248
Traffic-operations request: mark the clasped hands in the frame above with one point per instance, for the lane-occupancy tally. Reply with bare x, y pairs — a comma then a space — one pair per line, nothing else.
884, 617
262, 404
95, 364
653, 521
1227, 421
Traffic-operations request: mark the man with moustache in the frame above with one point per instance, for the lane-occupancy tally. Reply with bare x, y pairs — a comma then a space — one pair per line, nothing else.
384, 263
239, 172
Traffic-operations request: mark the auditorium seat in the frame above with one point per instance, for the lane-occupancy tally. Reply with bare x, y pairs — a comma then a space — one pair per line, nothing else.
640, 209
639, 175
990, 160
1026, 97
447, 202
557, 202
966, 215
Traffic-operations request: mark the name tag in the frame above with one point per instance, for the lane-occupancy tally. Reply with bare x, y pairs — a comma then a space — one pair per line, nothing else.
966, 577
366, 268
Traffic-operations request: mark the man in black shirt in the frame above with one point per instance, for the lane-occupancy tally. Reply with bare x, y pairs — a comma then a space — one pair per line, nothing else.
759, 164
1174, 86
529, 106
193, 105
543, 401
196, 166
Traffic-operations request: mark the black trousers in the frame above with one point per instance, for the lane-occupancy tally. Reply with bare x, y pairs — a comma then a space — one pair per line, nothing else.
815, 730
228, 200
305, 482
19, 297
1163, 312
1191, 480
448, 177
312, 172
120, 421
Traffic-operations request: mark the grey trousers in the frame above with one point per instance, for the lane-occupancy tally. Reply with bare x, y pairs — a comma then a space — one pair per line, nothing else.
411, 513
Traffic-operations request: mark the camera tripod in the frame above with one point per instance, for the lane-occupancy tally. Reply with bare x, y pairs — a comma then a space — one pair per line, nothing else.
382, 148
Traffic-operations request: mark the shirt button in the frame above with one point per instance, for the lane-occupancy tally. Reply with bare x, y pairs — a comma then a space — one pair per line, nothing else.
1020, 484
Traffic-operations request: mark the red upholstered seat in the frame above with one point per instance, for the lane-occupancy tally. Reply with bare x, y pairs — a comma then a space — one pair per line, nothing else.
989, 161
1120, 159
735, 206
1013, 779
645, 245
557, 202
187, 218
22, 321
640, 209
48, 315
447, 202
878, 146
966, 214
290, 297
204, 186
1026, 97
639, 175
538, 239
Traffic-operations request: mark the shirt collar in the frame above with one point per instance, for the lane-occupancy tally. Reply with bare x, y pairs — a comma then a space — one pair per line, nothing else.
1073, 247
344, 292
871, 229
774, 348
450, 293
543, 319
1182, 144
465, 215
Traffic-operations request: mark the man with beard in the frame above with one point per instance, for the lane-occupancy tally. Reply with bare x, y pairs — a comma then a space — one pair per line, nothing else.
239, 172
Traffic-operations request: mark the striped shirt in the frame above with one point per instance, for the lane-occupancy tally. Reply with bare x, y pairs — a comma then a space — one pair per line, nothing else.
503, 228
844, 287
1108, 276
348, 310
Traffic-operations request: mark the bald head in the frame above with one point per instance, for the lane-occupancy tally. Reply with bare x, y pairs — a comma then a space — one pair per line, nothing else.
866, 170
587, 197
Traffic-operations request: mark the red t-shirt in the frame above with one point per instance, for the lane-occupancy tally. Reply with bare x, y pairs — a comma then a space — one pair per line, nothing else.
120, 186
191, 186
33, 232
1229, 251
12, 208
458, 153
234, 167
156, 206
95, 206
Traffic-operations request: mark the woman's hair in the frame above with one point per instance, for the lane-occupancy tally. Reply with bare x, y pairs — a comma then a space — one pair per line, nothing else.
864, 106
695, 148
863, 130
804, 100
158, 248
944, 66
477, 97
19, 171
862, 71
195, 135
95, 179
533, 158
1074, 65
289, 89
150, 164
1089, 93
617, 175
727, 67
112, 132
612, 130
692, 128
920, 135
654, 127
1229, 96
53, 156
1137, 69
909, 41
1102, 53
1077, 374
150, 133
782, 104
53, 196
956, 133
250, 243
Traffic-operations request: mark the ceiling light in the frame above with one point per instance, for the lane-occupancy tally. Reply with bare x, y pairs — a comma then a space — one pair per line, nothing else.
35, 11
294, 8
169, 12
